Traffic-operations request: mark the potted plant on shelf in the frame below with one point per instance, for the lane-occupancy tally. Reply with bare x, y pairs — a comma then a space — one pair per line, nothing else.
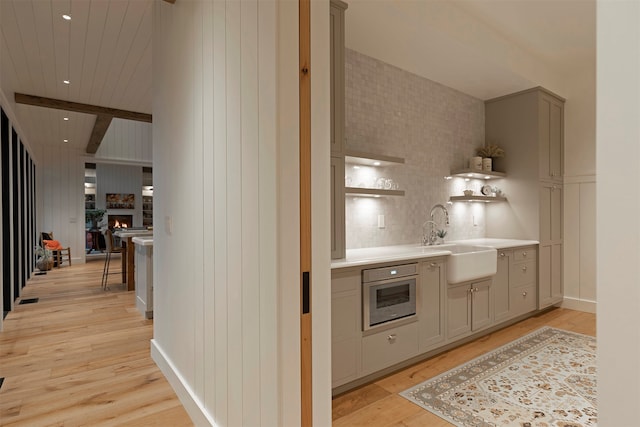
488, 153
44, 262
94, 216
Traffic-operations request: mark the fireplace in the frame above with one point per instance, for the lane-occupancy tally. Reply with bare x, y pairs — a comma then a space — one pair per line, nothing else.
120, 221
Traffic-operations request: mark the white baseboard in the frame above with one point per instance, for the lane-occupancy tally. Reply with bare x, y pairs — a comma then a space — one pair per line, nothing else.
192, 405
579, 304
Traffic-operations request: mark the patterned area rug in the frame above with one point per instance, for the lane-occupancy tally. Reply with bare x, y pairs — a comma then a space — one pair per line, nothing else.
545, 379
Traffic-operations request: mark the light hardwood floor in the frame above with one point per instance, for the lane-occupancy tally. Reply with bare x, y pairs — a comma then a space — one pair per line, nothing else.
80, 356
378, 403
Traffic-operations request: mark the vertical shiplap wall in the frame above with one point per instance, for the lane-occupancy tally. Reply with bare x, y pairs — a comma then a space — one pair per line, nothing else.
60, 197
216, 283
127, 140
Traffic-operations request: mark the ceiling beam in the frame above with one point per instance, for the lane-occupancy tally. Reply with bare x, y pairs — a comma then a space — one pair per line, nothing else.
77, 107
99, 129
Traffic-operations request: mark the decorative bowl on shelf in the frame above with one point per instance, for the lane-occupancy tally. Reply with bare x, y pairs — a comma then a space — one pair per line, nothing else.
468, 192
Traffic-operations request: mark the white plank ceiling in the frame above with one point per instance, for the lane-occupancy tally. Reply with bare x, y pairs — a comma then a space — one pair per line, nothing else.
104, 51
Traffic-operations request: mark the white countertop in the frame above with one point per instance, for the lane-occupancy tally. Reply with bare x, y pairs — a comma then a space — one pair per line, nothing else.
366, 256
133, 233
143, 241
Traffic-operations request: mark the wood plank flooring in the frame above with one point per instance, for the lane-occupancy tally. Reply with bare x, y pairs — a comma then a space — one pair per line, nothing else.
378, 403
80, 356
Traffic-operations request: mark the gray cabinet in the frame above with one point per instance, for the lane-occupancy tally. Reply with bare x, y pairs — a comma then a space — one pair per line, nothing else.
337, 208
469, 308
391, 346
431, 306
336, 44
550, 266
501, 290
515, 284
346, 329
529, 125
551, 140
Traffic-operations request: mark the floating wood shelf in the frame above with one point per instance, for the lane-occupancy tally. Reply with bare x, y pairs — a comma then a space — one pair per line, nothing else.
485, 199
372, 192
370, 159
475, 174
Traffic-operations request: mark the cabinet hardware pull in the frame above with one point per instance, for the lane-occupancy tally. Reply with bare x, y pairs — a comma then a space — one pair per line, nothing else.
524, 268
391, 337
502, 254
524, 294
470, 291
524, 254
475, 290
433, 265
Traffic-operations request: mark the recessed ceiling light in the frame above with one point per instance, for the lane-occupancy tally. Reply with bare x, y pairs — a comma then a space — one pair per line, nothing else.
66, 17
65, 140
66, 82
376, 163
356, 167
65, 118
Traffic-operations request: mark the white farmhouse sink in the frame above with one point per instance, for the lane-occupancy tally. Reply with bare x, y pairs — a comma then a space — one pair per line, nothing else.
470, 262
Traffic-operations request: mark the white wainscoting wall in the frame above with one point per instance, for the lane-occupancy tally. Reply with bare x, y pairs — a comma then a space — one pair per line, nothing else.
580, 243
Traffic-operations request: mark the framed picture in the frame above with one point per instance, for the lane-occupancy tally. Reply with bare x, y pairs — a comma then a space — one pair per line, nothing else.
120, 201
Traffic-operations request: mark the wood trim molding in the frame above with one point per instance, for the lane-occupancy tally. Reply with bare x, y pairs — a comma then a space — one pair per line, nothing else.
306, 392
41, 101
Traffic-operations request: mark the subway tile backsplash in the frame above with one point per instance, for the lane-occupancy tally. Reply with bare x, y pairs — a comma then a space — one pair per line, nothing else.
434, 128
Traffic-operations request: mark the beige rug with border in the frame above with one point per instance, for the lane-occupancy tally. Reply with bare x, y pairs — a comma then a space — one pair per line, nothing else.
544, 379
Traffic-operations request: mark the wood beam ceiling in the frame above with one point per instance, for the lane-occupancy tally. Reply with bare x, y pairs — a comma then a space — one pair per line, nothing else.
104, 115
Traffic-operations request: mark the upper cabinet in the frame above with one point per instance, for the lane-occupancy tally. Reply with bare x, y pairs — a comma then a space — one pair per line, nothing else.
529, 126
551, 139
336, 32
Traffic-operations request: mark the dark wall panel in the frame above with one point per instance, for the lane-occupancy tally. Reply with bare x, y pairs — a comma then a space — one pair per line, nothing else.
15, 231
6, 214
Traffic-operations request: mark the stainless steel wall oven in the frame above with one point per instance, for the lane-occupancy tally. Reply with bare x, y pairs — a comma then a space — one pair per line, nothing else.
388, 294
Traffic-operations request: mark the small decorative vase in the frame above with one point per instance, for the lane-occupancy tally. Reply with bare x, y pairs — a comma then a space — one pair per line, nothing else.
44, 264
475, 163
486, 164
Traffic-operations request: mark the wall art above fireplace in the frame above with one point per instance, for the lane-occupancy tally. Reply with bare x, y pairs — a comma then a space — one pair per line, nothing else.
120, 201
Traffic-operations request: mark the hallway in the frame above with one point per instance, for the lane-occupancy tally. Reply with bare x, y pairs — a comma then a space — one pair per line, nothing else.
80, 356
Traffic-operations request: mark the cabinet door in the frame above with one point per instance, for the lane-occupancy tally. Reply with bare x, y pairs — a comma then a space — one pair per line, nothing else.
431, 309
458, 311
550, 288
336, 77
551, 130
501, 288
550, 212
345, 347
481, 305
346, 330
337, 208
389, 347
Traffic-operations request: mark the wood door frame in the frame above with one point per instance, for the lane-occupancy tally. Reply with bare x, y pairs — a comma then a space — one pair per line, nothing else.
306, 392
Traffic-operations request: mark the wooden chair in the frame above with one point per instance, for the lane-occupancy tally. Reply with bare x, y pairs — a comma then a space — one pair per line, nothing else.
59, 252
111, 249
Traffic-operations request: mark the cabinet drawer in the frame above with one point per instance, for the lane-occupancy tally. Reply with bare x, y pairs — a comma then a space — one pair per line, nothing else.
524, 254
522, 273
523, 300
345, 281
389, 347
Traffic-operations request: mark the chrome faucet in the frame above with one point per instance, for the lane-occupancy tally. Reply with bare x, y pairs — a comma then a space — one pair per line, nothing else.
431, 237
446, 213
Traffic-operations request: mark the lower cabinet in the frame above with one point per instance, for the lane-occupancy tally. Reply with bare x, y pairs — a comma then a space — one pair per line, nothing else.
431, 305
515, 283
446, 313
469, 308
389, 347
346, 329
